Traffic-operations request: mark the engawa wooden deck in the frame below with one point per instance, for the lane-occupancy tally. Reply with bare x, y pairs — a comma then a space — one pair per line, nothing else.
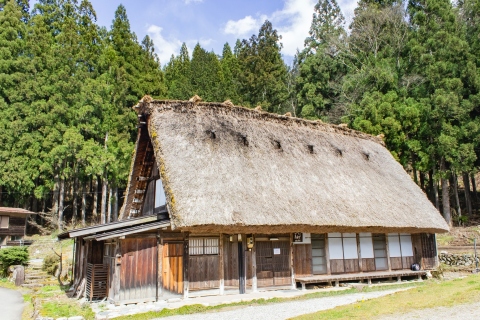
358, 276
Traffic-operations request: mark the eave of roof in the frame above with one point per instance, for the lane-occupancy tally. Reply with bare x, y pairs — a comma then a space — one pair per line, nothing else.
88, 231
131, 230
15, 210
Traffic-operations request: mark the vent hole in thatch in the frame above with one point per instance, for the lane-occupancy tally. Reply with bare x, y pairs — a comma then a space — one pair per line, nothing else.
310, 148
338, 152
212, 134
244, 140
366, 155
277, 145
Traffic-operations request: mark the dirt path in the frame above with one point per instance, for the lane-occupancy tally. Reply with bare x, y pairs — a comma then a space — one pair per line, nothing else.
460, 312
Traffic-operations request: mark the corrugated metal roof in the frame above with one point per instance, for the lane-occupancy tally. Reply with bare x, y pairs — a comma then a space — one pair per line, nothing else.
132, 230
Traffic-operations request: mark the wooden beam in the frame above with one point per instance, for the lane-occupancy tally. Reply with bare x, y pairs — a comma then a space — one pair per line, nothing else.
241, 265
327, 255
118, 270
388, 252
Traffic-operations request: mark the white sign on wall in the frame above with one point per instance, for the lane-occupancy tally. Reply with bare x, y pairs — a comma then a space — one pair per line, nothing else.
276, 250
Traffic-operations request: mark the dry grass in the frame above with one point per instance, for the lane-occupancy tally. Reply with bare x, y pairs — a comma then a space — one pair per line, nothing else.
432, 294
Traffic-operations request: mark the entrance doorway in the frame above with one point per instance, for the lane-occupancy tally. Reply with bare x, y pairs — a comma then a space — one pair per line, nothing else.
380, 251
172, 265
273, 267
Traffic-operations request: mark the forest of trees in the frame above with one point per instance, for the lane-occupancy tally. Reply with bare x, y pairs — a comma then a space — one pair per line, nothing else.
409, 71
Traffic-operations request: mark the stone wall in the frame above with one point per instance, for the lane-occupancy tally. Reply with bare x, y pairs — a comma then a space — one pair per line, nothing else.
453, 259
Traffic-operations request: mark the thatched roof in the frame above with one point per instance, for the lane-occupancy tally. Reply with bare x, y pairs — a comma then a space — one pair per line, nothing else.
233, 169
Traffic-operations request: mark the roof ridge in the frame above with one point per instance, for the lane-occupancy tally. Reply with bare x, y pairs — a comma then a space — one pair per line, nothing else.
146, 104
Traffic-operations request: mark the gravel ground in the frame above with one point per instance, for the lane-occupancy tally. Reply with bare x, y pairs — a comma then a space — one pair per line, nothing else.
286, 310
460, 312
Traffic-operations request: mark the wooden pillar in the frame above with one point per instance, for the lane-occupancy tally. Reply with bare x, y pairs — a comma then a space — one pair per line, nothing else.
327, 254
359, 253
388, 252
185, 264
241, 264
221, 267
292, 269
254, 267
158, 282
118, 270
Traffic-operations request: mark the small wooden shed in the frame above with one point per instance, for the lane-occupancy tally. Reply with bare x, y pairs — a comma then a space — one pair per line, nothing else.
13, 223
223, 197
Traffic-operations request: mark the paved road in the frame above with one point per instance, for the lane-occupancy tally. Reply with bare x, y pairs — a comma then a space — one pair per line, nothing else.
11, 304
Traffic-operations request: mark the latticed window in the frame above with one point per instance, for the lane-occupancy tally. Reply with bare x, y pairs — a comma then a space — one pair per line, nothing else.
201, 246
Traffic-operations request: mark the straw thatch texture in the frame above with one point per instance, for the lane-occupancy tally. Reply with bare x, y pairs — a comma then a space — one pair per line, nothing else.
233, 169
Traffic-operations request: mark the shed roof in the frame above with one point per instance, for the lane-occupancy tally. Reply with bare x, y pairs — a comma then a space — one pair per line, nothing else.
5, 210
232, 168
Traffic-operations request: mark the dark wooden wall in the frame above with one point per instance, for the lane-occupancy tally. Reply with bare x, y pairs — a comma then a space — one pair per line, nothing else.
16, 227
138, 269
302, 259
203, 272
230, 263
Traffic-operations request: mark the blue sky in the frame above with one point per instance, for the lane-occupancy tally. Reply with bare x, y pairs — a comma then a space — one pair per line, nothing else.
214, 22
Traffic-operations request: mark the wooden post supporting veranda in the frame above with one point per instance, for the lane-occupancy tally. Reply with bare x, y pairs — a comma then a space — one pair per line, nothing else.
292, 269
185, 264
241, 263
221, 265
254, 266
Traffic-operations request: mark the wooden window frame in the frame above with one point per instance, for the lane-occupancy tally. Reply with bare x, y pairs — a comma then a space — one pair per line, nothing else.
204, 246
1, 222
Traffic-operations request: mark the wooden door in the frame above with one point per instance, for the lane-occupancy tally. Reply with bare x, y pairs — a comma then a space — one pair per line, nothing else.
429, 251
273, 267
380, 251
319, 261
138, 269
172, 265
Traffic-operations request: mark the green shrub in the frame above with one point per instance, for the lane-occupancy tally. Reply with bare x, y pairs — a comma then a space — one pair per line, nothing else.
50, 264
13, 256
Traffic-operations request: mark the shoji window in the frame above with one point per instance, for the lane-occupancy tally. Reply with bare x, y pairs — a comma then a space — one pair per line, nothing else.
203, 246
342, 245
400, 245
366, 246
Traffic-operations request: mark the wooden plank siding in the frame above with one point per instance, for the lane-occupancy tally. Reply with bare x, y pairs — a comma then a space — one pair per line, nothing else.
302, 259
173, 267
230, 262
138, 269
368, 264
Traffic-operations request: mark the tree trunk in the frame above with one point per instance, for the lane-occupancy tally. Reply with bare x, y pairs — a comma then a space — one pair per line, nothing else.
95, 200
455, 190
84, 203
1, 195
445, 193
115, 203
435, 190
104, 201
109, 205
75, 200
475, 195
422, 180
466, 187
56, 187
415, 178
60, 204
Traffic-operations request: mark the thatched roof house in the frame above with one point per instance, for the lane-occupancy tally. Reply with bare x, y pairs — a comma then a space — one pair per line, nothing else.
222, 197
231, 168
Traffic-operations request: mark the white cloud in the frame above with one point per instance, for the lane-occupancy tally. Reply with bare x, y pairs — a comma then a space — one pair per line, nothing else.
163, 47
241, 27
190, 1
292, 22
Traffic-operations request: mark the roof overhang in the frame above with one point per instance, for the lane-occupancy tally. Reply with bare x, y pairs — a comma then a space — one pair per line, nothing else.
112, 227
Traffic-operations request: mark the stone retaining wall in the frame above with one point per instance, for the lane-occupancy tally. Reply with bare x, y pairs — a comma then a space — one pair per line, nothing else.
453, 259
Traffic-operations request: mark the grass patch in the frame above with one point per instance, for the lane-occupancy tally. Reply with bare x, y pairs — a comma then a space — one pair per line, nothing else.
432, 294
197, 308
63, 308
5, 283
444, 239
